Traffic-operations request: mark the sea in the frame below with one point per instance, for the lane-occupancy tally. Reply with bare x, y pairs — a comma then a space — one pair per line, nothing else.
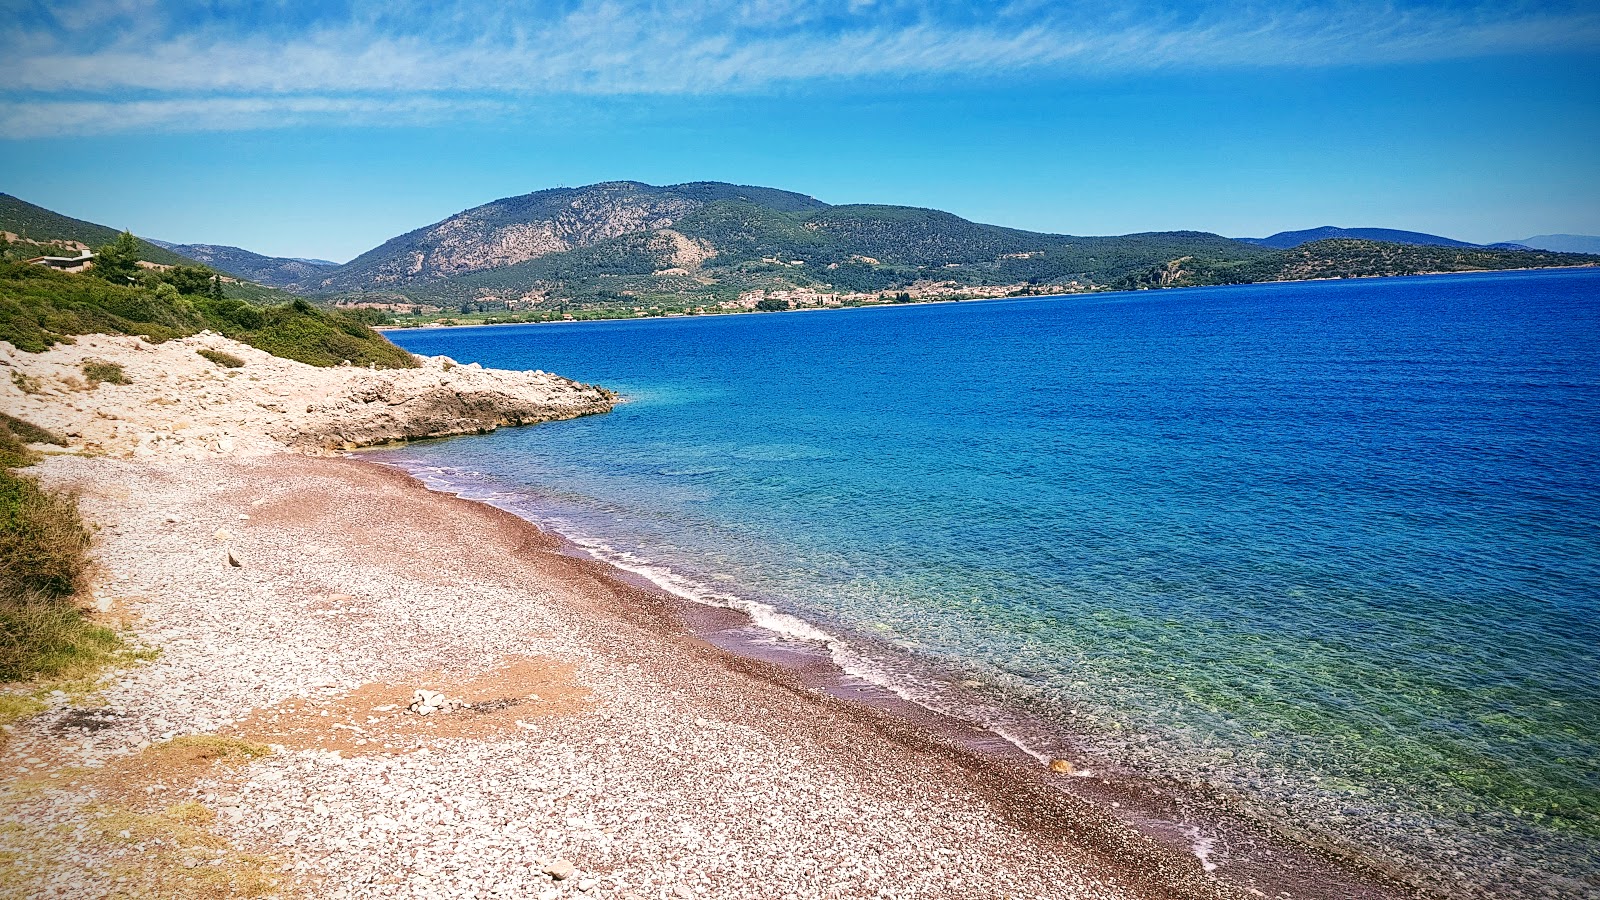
1329, 548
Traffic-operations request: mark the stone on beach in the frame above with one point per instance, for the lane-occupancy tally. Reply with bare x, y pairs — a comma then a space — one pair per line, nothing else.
559, 869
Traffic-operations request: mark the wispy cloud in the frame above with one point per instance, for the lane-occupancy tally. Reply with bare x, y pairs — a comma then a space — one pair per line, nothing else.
138, 65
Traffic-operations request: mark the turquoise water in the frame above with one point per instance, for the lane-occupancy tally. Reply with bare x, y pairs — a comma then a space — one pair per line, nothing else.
1331, 546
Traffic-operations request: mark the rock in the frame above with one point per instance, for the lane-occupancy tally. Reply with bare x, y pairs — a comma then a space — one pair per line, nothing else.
1061, 767
588, 884
234, 561
223, 534
683, 893
559, 869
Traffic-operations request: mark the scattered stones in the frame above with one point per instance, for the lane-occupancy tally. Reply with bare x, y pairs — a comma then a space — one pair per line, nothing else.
425, 702
1061, 767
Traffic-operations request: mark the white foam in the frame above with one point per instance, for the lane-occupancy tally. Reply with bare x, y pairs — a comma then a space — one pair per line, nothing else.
781, 625
1202, 847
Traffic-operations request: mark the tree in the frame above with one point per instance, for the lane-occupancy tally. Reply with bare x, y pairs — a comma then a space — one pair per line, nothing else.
118, 261
771, 304
196, 281
216, 287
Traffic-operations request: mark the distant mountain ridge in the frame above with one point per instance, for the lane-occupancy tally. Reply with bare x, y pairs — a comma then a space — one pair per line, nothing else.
1563, 243
701, 244
709, 245
273, 271
1287, 240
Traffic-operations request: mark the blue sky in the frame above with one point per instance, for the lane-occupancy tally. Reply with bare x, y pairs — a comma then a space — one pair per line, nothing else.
322, 130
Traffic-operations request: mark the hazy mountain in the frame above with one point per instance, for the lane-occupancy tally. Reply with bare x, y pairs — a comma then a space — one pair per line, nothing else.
39, 224
1285, 240
1564, 243
273, 271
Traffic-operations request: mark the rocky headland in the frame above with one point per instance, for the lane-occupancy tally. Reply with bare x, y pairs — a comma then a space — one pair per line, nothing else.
208, 396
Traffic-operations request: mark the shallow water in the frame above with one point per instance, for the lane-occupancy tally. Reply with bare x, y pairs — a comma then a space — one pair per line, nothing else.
1334, 546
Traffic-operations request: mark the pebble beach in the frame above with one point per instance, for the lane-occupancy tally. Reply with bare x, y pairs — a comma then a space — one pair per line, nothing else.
592, 747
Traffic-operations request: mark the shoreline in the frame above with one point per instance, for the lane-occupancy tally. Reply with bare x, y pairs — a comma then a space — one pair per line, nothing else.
358, 579
1184, 818
423, 327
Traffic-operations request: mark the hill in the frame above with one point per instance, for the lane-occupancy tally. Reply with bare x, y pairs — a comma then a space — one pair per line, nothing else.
1287, 240
40, 307
633, 248
1563, 243
272, 271
36, 223
518, 229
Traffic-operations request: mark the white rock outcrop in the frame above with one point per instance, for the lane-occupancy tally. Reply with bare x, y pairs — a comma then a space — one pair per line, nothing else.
178, 403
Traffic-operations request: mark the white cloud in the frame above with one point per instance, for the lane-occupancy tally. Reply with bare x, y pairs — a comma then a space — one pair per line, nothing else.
225, 69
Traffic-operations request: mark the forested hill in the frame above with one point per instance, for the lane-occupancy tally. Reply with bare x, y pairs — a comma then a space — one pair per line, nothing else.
700, 245
273, 271
35, 223
705, 246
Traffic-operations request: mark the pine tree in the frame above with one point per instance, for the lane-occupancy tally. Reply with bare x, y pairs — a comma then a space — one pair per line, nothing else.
118, 261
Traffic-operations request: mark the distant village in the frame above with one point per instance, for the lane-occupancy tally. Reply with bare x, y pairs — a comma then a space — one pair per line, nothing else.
772, 299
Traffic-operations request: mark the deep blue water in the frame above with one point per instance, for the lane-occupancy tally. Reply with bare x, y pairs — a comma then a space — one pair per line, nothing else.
1334, 546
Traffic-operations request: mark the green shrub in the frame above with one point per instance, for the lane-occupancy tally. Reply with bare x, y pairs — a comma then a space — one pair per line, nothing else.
44, 562
16, 435
40, 635
98, 370
40, 307
43, 544
225, 360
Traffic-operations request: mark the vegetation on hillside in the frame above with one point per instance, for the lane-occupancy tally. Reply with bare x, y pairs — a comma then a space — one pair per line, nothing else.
44, 563
39, 224
40, 307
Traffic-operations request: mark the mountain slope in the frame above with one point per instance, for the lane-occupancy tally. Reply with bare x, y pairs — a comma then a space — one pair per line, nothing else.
273, 271
39, 224
1285, 240
1563, 243
514, 230
705, 245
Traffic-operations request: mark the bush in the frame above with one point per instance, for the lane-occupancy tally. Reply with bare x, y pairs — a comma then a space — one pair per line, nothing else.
39, 307
225, 360
16, 435
44, 561
98, 370
44, 636
43, 544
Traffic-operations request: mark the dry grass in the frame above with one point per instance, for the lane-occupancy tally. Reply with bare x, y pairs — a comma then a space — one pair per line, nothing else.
44, 563
225, 360
28, 384
44, 546
127, 854
99, 371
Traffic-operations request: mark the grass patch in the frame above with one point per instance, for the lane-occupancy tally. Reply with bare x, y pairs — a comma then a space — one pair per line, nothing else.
40, 307
193, 749
44, 547
225, 360
98, 370
28, 384
44, 563
191, 812
29, 432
